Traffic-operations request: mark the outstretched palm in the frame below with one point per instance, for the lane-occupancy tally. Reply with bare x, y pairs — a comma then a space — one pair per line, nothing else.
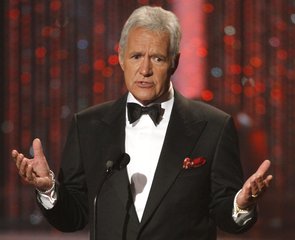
34, 171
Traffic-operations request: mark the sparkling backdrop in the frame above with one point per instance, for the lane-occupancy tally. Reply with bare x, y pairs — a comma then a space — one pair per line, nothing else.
61, 56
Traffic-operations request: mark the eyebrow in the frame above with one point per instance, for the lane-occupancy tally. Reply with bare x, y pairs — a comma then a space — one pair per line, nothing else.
152, 55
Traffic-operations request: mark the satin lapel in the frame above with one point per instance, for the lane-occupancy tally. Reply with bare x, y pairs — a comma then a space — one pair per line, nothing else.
181, 137
114, 128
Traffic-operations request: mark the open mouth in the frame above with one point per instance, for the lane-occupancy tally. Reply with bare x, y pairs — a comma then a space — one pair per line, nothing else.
144, 84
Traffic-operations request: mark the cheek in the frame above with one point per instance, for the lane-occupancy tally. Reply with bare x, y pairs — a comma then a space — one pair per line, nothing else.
128, 79
162, 78
130, 70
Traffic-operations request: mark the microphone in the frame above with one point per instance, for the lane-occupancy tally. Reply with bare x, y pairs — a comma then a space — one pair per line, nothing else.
122, 161
119, 163
109, 166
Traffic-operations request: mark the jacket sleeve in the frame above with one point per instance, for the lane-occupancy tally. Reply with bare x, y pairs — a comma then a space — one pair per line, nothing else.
227, 179
70, 212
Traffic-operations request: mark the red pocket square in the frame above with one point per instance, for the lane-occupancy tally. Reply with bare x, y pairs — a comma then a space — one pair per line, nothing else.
193, 163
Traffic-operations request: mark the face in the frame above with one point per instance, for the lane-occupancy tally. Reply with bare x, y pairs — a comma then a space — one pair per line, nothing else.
147, 64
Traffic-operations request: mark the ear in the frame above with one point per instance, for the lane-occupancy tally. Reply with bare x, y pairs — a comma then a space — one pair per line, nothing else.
176, 61
121, 61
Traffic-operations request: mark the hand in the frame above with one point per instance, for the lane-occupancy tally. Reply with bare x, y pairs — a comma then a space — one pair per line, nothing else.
255, 186
34, 171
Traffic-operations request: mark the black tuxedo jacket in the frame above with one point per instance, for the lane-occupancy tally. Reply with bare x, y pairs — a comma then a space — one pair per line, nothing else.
182, 204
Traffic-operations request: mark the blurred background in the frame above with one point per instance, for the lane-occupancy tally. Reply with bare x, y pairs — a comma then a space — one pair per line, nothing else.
59, 57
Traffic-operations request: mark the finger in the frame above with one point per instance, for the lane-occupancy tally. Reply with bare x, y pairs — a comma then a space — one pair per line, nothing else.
257, 187
23, 167
247, 189
260, 183
254, 187
268, 180
14, 154
34, 174
37, 147
263, 168
19, 160
40, 164
29, 173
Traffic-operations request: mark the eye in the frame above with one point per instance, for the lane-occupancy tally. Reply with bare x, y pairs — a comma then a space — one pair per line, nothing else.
136, 56
158, 59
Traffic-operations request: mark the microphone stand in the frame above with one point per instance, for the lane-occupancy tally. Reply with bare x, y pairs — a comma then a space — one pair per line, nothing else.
110, 166
108, 172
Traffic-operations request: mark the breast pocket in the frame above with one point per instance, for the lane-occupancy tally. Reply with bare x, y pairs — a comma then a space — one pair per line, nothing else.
193, 183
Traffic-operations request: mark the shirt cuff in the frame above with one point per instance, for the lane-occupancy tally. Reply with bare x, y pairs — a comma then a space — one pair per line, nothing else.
241, 216
48, 198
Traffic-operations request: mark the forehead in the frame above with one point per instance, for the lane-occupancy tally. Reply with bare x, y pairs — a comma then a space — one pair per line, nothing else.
145, 38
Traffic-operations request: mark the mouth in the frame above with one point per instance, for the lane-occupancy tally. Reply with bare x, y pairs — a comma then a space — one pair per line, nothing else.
144, 84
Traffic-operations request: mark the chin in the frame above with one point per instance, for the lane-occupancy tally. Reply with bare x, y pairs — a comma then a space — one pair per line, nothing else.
144, 100
143, 96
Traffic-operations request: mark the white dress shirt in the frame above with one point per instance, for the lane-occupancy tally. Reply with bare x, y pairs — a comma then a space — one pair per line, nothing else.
143, 143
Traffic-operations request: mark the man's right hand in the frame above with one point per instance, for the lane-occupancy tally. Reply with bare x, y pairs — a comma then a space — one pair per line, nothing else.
34, 171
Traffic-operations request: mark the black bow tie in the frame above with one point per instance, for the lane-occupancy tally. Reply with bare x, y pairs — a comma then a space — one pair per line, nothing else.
135, 111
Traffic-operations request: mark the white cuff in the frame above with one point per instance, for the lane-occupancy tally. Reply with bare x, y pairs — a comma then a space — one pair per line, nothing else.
49, 197
241, 216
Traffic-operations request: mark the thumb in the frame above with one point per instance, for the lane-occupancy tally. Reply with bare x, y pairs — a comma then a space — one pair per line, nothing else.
37, 148
40, 165
263, 168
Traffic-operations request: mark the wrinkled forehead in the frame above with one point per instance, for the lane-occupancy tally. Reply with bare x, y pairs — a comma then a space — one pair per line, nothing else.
143, 37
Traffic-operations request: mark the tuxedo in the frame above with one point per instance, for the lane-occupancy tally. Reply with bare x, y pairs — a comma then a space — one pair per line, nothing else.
183, 203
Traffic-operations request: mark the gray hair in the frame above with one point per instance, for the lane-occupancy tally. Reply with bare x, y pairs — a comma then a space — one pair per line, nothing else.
154, 19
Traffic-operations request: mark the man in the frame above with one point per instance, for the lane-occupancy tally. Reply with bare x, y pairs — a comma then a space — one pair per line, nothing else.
184, 177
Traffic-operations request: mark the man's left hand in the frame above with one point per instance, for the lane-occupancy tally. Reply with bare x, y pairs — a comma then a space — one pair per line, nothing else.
255, 187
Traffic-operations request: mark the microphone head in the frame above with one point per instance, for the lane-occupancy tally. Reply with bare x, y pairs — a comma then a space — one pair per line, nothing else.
109, 166
116, 159
124, 161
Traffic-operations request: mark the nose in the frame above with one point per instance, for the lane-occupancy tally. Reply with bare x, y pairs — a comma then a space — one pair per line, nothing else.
146, 67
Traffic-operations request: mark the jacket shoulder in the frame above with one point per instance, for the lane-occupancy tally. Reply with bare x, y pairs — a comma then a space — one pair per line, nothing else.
209, 110
109, 110
95, 110
199, 109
